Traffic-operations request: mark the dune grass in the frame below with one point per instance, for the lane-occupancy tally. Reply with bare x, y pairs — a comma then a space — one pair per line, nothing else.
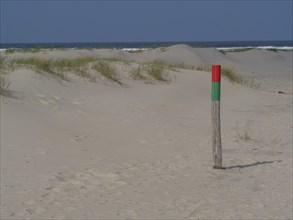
107, 70
137, 73
4, 85
22, 50
5, 66
10, 50
61, 67
234, 77
156, 69
2, 62
205, 68
40, 65
237, 50
231, 75
222, 52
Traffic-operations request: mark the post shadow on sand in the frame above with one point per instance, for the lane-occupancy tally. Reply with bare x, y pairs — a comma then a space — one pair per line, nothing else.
252, 164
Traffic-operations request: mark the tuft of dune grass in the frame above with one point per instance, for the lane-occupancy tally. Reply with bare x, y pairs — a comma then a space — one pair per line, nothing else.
41, 65
4, 85
60, 67
231, 75
137, 73
234, 77
107, 70
156, 69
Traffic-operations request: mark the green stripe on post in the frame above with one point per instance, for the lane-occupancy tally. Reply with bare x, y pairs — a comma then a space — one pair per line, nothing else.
216, 91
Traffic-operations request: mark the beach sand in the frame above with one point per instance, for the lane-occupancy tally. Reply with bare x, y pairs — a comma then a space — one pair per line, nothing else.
76, 149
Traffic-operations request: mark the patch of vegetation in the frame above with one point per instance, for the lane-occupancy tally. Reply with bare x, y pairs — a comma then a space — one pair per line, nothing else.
29, 50
163, 49
230, 74
183, 66
233, 77
10, 50
170, 66
4, 85
240, 49
273, 50
107, 70
156, 69
22, 50
136, 51
60, 67
136, 73
6, 65
2, 60
41, 65
206, 68
222, 52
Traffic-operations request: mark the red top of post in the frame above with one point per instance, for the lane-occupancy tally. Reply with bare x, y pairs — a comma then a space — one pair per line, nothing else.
216, 73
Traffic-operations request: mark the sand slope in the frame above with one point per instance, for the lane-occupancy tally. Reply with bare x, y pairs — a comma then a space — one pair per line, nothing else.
83, 150
271, 69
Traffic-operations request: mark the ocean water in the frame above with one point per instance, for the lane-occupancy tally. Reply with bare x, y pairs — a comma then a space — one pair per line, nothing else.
225, 45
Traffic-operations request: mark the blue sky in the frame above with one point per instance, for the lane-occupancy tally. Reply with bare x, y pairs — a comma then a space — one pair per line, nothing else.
42, 21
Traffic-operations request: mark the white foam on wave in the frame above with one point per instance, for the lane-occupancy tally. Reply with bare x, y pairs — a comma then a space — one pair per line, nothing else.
251, 47
2, 50
135, 49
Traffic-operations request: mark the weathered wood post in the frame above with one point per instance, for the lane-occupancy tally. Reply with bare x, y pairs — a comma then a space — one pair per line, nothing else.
216, 119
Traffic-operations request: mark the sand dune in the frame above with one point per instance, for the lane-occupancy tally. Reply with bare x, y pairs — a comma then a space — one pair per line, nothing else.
271, 69
78, 149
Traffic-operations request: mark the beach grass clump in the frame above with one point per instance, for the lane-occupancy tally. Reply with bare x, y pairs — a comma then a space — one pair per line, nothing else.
5, 65
41, 65
163, 49
57, 67
222, 52
60, 67
137, 73
156, 69
237, 50
273, 50
205, 68
10, 50
22, 50
234, 77
29, 50
171, 66
107, 70
2, 64
80, 61
183, 66
78, 66
231, 75
4, 85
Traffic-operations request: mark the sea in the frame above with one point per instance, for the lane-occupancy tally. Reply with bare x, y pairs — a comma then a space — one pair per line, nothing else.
222, 45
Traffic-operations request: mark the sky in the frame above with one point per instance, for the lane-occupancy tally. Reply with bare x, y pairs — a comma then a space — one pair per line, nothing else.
53, 21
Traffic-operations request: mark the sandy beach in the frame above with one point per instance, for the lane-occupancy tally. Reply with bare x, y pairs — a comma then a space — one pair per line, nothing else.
136, 146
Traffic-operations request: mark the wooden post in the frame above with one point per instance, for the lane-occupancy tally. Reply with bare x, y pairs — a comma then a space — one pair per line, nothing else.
216, 119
